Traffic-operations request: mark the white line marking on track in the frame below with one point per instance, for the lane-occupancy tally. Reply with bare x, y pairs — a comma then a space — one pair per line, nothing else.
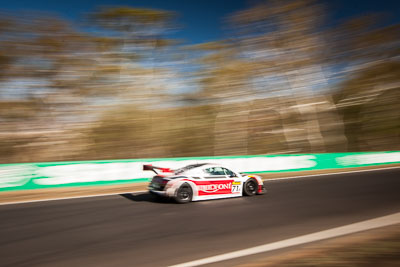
334, 232
117, 193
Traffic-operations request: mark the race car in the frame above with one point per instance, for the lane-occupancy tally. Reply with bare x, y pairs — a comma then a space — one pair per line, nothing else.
202, 182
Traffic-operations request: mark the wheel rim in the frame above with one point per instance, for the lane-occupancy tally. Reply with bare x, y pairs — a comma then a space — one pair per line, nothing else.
251, 187
184, 193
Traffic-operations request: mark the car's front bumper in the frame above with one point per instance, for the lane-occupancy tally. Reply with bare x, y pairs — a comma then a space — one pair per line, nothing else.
261, 189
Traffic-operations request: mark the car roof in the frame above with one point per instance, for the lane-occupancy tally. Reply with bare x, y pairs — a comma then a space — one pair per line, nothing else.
195, 168
189, 167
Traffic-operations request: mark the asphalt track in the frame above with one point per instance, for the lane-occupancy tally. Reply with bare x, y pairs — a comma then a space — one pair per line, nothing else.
133, 230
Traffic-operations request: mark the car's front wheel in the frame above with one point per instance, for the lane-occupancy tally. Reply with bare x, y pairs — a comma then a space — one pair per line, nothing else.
184, 194
250, 187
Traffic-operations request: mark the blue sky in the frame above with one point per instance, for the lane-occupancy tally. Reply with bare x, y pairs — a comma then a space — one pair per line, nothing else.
201, 20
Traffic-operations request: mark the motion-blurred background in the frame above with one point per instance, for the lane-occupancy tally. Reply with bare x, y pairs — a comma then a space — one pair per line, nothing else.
137, 80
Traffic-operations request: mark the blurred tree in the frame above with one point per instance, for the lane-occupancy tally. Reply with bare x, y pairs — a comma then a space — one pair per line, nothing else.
104, 91
284, 44
370, 104
282, 36
223, 79
142, 33
368, 95
277, 46
53, 75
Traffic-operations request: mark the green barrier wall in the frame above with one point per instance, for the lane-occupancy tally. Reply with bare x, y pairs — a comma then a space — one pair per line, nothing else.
24, 176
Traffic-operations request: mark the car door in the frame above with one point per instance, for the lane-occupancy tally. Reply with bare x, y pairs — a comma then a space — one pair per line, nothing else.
219, 181
237, 183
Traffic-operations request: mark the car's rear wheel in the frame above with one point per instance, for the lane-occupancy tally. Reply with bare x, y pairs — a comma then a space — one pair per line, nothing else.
184, 194
250, 188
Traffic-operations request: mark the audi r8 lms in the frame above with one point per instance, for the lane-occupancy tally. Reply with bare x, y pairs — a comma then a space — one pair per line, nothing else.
202, 182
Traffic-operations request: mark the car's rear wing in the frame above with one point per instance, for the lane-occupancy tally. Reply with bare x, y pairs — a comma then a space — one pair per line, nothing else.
149, 167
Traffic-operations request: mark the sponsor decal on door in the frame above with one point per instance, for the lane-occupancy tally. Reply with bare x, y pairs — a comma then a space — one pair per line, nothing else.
214, 187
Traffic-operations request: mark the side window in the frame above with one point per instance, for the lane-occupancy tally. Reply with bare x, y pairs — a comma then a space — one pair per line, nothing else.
215, 171
229, 173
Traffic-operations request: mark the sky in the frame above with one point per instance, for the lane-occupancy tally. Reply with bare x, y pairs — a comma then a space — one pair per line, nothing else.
201, 20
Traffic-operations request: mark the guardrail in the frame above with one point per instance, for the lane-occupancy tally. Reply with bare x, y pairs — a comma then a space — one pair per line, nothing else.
25, 176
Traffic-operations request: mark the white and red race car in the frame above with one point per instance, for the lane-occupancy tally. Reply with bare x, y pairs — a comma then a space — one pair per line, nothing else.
202, 182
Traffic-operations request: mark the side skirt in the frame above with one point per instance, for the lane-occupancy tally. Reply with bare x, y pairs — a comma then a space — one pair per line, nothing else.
199, 198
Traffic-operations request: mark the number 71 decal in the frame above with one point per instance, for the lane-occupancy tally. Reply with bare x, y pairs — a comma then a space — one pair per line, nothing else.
235, 187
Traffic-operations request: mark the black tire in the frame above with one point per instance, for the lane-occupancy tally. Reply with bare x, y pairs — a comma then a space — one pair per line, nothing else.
184, 194
250, 188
